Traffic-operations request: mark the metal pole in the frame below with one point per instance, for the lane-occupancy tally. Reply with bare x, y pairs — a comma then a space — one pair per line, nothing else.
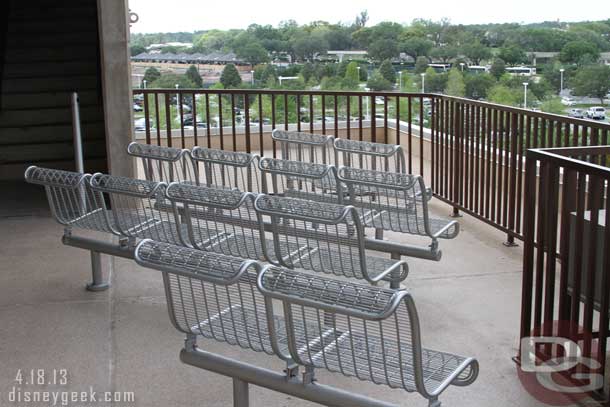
241, 397
76, 133
97, 283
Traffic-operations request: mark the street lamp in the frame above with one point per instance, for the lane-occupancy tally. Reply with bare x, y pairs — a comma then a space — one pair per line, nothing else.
561, 71
366, 104
462, 66
423, 82
525, 94
399, 80
144, 83
177, 100
252, 77
358, 74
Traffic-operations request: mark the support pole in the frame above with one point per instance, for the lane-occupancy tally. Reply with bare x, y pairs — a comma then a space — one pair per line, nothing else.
97, 283
395, 284
456, 213
241, 397
510, 241
76, 133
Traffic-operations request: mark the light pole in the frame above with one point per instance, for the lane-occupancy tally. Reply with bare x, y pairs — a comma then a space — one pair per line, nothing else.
358, 74
462, 66
423, 82
399, 80
366, 104
561, 71
177, 100
525, 94
144, 83
252, 77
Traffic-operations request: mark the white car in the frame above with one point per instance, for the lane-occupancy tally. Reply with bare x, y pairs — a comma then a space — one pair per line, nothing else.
567, 102
137, 108
596, 112
576, 113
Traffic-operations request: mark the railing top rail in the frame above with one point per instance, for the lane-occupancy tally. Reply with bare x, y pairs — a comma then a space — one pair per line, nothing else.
559, 157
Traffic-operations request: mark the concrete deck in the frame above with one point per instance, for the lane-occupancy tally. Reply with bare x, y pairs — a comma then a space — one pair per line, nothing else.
122, 339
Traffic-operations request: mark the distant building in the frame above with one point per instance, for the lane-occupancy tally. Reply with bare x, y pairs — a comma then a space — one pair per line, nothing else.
219, 58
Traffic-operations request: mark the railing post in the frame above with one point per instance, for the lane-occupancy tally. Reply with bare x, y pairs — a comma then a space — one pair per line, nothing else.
512, 192
456, 137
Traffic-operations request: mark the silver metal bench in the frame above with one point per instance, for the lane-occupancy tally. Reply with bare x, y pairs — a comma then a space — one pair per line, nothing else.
297, 179
304, 147
370, 156
395, 202
354, 329
227, 169
164, 164
227, 218
326, 238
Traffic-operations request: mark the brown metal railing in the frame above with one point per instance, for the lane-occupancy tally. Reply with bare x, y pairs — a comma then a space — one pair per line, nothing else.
566, 259
471, 153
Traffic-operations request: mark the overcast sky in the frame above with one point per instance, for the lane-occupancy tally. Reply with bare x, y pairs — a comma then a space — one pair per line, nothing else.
191, 15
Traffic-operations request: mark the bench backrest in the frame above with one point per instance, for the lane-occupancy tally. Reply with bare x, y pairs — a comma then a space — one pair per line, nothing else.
305, 147
71, 200
138, 208
164, 164
316, 236
227, 169
370, 156
219, 220
213, 295
297, 179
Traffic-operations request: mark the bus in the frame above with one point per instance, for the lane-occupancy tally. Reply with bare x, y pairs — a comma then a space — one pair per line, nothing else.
477, 69
440, 67
521, 70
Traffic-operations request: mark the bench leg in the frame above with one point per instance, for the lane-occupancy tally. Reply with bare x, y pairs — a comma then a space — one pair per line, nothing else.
395, 284
241, 397
379, 233
434, 402
97, 283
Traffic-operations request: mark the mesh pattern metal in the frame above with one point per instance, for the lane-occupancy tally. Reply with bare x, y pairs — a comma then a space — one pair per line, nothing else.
367, 332
221, 221
71, 200
325, 238
393, 201
164, 164
304, 147
227, 169
370, 156
296, 179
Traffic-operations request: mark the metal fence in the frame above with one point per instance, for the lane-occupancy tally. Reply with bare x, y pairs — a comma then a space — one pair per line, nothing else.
566, 261
470, 152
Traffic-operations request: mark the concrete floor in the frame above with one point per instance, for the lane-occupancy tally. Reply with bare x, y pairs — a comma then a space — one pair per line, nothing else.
122, 339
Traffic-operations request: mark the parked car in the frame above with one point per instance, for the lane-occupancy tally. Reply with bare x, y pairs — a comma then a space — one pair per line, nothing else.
576, 113
596, 112
137, 108
567, 102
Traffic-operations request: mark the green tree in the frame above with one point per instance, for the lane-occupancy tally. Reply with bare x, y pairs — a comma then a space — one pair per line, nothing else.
512, 55
151, 74
193, 74
307, 71
230, 77
504, 95
476, 52
593, 81
455, 83
553, 105
434, 82
421, 64
575, 51
170, 80
351, 74
387, 71
416, 47
477, 86
498, 68
378, 83
136, 50
444, 54
383, 49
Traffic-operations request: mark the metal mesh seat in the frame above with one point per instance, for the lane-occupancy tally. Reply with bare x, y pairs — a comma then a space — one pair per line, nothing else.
296, 179
71, 200
214, 296
358, 330
164, 164
227, 218
139, 208
304, 147
227, 169
325, 238
392, 201
370, 156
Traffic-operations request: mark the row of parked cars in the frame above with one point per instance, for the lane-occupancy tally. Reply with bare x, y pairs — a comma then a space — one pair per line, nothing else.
595, 113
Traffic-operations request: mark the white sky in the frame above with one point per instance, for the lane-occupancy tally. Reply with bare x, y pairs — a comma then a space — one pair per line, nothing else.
191, 15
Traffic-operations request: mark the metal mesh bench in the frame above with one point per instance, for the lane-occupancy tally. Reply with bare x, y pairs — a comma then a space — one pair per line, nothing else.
297, 179
304, 147
164, 164
370, 156
326, 238
227, 218
368, 332
396, 202
227, 169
